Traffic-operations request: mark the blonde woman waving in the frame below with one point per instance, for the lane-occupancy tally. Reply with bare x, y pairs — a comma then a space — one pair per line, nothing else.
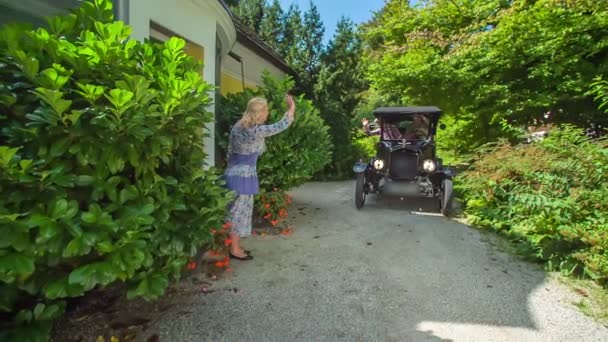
246, 145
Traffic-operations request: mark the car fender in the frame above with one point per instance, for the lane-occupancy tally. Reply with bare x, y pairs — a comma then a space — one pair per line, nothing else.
448, 172
360, 167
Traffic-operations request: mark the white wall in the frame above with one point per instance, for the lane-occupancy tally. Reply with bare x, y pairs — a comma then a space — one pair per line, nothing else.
254, 65
195, 20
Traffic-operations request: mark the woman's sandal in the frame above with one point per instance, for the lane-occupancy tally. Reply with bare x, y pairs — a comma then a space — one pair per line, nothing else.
248, 257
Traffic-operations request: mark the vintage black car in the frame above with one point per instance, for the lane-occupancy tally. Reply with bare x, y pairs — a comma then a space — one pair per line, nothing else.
406, 157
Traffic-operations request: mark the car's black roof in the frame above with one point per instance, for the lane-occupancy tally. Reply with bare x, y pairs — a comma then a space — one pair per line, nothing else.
381, 111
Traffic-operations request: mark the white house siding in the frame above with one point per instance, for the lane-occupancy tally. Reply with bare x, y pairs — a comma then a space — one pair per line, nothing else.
253, 66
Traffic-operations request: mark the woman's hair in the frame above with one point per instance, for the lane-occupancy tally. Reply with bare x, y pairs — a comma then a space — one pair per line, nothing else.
251, 117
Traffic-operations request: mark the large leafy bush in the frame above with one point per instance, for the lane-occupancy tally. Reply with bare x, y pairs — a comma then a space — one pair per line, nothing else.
550, 195
101, 162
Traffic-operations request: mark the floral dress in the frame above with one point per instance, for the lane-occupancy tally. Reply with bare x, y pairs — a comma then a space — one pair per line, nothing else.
244, 148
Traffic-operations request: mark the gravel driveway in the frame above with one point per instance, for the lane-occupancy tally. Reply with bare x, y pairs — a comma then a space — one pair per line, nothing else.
385, 273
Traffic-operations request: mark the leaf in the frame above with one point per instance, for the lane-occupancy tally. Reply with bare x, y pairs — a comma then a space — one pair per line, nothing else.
42, 116
90, 92
49, 230
7, 154
50, 312
152, 286
76, 247
52, 79
127, 194
59, 208
91, 275
120, 98
17, 263
54, 98
84, 180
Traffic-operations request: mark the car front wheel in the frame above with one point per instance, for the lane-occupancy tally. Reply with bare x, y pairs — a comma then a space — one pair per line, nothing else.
447, 196
359, 192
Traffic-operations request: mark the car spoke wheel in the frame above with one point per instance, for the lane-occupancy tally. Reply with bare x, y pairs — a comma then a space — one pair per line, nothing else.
446, 196
359, 190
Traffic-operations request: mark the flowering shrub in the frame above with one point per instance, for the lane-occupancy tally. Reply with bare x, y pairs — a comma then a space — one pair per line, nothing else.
272, 206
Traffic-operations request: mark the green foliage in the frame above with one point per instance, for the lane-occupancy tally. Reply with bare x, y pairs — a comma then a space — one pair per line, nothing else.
364, 146
271, 26
291, 157
100, 163
250, 12
491, 62
550, 196
338, 93
599, 89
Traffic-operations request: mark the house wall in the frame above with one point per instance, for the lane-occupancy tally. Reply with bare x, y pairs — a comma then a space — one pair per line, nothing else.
253, 67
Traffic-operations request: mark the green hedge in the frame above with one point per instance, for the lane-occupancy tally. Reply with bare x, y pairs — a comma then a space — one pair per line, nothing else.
291, 157
550, 196
101, 162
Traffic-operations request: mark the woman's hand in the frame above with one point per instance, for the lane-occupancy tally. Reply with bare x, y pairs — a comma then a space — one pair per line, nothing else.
291, 106
365, 122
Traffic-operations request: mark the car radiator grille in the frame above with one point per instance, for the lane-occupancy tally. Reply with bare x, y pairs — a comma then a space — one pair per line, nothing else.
404, 165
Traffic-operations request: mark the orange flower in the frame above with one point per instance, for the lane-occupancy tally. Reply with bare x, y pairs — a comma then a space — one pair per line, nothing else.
227, 225
227, 242
213, 231
223, 263
191, 265
267, 216
274, 222
267, 205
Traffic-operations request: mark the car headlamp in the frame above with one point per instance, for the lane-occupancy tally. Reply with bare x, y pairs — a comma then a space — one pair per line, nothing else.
378, 164
429, 165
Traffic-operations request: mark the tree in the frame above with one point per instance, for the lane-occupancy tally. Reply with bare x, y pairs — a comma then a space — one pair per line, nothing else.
498, 63
251, 12
292, 28
338, 92
271, 26
312, 47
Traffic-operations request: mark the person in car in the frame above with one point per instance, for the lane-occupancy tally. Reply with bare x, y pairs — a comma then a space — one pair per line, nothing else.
391, 132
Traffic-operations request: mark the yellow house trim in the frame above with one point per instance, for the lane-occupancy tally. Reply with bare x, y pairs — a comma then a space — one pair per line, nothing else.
230, 84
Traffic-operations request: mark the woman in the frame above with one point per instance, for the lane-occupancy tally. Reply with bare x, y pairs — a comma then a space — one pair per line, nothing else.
245, 146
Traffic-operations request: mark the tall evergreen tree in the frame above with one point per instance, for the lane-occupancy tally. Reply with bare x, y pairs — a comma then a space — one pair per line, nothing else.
251, 13
271, 27
338, 92
291, 31
310, 50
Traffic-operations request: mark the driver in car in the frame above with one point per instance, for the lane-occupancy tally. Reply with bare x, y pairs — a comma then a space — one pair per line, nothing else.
419, 129
391, 132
